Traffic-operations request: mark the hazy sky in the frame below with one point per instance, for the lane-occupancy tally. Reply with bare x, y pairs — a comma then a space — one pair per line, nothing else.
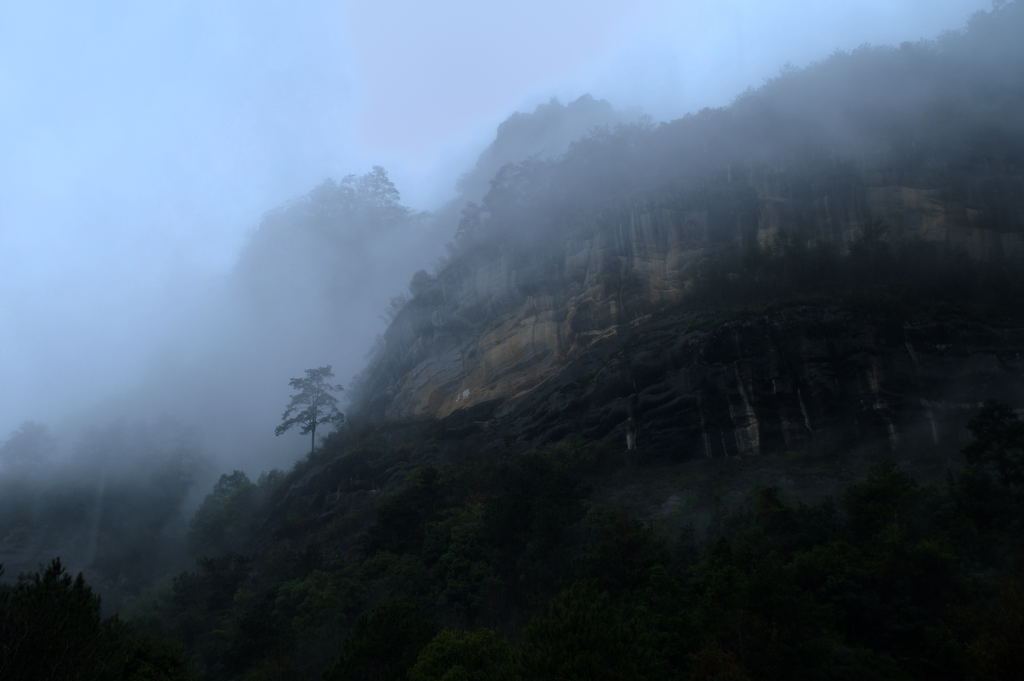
139, 141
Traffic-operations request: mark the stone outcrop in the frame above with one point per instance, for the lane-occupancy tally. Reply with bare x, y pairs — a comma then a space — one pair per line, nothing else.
598, 323
701, 384
577, 301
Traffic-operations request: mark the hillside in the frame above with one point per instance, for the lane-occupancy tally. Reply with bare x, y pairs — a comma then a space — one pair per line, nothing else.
663, 377
735, 396
829, 257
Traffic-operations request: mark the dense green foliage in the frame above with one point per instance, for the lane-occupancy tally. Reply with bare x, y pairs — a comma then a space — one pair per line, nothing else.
999, 443
515, 568
51, 628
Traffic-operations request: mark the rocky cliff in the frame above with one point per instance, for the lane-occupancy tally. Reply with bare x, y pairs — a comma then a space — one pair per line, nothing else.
604, 327
764, 277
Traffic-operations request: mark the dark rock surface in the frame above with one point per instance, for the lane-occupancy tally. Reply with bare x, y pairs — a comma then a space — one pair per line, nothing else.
694, 385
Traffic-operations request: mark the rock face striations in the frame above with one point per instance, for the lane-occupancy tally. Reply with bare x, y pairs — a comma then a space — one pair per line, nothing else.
619, 329
802, 268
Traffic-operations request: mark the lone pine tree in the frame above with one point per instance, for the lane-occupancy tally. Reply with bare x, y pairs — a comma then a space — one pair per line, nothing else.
313, 403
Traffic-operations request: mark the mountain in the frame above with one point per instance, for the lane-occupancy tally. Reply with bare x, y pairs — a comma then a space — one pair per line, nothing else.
684, 401
545, 133
826, 260
319, 277
729, 397
315, 284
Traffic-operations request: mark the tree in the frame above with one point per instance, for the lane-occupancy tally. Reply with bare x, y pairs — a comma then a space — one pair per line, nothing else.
998, 442
383, 644
455, 655
313, 404
377, 189
51, 627
221, 523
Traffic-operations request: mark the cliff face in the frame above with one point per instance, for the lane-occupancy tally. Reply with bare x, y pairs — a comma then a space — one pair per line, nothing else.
602, 325
809, 260
707, 385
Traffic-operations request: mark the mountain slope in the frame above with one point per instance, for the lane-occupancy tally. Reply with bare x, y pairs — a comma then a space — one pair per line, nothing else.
642, 423
819, 223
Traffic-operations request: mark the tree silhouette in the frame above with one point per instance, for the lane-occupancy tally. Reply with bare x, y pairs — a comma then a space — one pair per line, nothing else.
313, 404
998, 442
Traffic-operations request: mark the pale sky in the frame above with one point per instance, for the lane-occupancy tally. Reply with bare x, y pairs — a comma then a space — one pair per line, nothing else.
140, 141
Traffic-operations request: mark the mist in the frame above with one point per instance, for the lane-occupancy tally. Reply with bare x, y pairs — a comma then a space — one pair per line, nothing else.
149, 151
636, 311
